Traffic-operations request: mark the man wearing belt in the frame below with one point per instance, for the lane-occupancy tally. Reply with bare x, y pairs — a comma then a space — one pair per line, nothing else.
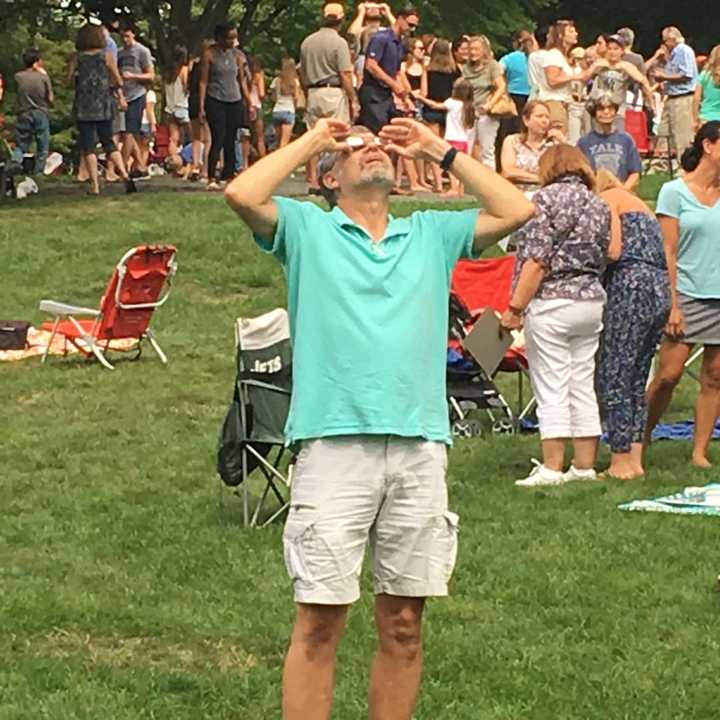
679, 76
326, 72
385, 54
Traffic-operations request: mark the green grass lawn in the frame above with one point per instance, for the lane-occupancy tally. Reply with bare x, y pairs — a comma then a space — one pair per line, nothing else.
126, 593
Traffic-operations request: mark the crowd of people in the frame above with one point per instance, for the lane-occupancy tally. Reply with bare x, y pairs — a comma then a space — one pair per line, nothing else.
554, 111
204, 117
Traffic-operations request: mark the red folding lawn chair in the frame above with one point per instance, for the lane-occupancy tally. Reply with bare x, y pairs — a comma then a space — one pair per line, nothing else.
161, 144
141, 282
484, 284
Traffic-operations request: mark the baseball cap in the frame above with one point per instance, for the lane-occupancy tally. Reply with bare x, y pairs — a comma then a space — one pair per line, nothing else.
578, 53
618, 39
334, 10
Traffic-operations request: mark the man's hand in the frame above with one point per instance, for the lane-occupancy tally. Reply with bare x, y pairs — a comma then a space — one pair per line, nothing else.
354, 110
661, 54
597, 66
399, 90
330, 135
127, 75
414, 140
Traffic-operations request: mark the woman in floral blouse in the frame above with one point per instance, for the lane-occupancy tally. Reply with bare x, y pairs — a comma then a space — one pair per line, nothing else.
558, 296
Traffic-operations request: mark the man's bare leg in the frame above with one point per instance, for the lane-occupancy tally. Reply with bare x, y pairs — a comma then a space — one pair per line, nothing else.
397, 668
309, 673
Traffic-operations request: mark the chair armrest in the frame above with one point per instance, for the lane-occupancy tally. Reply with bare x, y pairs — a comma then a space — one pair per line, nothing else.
58, 308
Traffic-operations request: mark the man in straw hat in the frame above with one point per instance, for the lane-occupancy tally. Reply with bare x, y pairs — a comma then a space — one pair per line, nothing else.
368, 304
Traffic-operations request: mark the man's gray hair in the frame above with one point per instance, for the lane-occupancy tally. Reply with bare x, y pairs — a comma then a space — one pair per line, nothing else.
325, 165
673, 32
628, 35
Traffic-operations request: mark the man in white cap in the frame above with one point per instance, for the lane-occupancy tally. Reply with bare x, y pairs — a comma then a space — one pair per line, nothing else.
368, 304
326, 72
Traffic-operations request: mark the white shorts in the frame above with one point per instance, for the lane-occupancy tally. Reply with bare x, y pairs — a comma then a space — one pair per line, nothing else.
386, 490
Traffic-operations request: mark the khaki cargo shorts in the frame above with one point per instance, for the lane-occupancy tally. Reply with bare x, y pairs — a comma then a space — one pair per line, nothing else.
328, 102
385, 491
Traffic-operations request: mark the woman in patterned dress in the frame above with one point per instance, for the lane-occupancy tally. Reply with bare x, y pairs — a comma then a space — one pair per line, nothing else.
637, 309
94, 73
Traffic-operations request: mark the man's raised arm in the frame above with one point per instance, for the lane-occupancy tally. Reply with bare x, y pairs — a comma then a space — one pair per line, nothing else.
250, 193
506, 208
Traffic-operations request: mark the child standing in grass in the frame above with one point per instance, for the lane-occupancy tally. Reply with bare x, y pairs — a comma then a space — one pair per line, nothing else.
286, 90
459, 125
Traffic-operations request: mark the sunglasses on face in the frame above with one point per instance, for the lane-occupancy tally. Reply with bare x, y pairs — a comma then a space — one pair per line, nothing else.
358, 142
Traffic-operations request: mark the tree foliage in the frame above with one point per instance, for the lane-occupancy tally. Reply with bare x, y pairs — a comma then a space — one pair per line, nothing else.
267, 27
693, 17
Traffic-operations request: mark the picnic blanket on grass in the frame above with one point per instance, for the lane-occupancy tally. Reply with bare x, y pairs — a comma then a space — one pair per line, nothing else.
703, 500
680, 431
37, 341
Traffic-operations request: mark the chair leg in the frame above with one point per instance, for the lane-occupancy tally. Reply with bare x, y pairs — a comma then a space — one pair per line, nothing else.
150, 335
698, 353
245, 490
98, 353
52, 337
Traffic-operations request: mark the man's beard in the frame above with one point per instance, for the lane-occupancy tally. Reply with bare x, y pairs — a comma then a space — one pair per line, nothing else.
381, 177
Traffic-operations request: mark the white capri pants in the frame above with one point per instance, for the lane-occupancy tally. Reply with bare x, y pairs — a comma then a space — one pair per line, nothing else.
562, 338
486, 130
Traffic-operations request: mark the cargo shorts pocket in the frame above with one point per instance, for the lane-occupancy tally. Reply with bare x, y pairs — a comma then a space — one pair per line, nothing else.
448, 541
296, 539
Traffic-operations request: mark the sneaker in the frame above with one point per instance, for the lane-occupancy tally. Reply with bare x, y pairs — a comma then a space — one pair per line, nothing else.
216, 186
574, 474
540, 475
139, 175
53, 162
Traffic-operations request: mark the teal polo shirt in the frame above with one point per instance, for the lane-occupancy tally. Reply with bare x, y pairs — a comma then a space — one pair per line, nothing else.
369, 321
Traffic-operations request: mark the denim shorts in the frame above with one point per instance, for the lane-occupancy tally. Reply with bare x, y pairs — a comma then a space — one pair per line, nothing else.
382, 490
283, 117
134, 114
181, 116
94, 131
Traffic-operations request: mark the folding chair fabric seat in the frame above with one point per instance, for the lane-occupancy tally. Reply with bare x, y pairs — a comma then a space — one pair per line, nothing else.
484, 284
252, 436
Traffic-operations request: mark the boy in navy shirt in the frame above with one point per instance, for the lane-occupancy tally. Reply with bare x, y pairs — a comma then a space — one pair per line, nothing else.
611, 149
